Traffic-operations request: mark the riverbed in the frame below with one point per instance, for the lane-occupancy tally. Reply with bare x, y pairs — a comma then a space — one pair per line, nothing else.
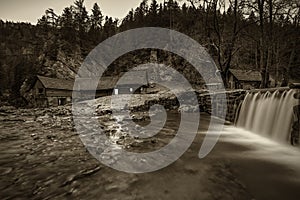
42, 157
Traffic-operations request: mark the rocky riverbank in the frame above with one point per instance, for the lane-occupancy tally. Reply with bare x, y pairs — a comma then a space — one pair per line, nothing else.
42, 157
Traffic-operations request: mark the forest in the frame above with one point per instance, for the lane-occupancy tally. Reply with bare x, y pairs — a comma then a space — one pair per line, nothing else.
261, 35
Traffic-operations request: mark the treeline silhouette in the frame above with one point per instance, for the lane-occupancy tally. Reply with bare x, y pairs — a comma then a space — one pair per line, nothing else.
247, 34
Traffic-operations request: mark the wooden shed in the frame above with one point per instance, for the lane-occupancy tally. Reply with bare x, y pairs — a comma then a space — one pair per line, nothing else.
51, 91
54, 92
244, 79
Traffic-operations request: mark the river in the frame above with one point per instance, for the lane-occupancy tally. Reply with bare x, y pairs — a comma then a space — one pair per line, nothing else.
43, 159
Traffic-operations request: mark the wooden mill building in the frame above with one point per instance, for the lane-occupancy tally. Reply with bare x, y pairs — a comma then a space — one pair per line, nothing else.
55, 92
244, 79
51, 91
48, 92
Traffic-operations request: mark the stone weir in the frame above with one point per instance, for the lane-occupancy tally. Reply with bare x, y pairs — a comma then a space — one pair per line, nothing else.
233, 99
273, 112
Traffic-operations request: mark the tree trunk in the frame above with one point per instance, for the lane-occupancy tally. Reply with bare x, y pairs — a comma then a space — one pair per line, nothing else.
277, 66
292, 57
262, 43
256, 56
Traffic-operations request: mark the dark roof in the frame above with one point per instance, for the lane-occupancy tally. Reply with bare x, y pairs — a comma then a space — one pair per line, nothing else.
54, 83
106, 82
62, 84
134, 78
246, 75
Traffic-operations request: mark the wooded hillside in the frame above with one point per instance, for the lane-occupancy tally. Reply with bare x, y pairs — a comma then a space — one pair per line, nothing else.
261, 35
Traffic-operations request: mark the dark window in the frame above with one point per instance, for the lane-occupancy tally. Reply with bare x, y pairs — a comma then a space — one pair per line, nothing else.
41, 90
62, 101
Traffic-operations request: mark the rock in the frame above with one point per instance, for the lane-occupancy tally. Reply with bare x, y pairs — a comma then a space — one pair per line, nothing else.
7, 109
297, 95
81, 174
294, 85
51, 137
154, 141
5, 170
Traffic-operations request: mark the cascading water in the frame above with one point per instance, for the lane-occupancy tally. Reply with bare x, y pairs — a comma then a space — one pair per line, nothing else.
269, 114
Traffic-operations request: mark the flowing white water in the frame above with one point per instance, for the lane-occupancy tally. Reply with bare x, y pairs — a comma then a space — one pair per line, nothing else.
268, 114
262, 148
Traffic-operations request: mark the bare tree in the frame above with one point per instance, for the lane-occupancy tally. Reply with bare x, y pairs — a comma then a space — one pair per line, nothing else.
226, 48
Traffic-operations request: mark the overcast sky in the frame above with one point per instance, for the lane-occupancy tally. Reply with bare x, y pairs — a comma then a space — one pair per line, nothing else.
31, 10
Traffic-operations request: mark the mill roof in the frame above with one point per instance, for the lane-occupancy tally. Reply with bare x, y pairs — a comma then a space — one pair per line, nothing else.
134, 78
246, 75
54, 83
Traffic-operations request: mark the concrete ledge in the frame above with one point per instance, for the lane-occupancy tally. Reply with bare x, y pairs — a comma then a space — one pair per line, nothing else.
294, 85
270, 89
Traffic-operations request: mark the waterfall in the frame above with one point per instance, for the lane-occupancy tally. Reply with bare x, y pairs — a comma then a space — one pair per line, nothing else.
269, 114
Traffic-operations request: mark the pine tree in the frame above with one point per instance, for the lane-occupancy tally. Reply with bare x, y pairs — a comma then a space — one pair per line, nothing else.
81, 17
96, 17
